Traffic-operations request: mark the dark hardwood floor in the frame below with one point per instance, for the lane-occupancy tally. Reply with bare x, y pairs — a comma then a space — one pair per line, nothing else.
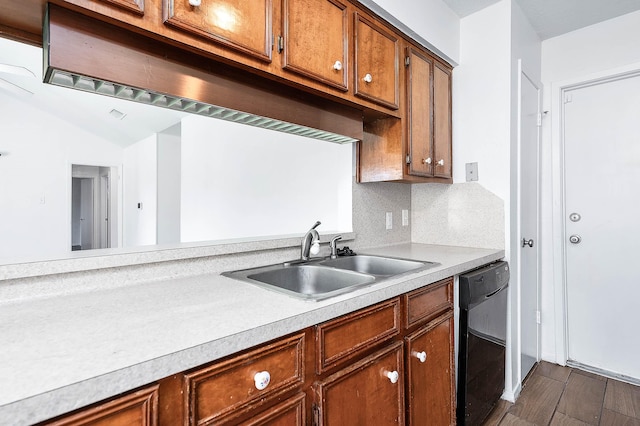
555, 395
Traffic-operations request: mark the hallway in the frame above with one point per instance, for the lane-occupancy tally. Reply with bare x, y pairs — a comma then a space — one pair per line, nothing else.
556, 395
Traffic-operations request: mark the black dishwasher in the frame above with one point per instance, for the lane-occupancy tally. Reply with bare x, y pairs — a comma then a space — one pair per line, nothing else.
482, 341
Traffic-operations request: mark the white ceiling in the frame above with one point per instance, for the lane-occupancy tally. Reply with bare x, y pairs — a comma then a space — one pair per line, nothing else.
21, 81
551, 18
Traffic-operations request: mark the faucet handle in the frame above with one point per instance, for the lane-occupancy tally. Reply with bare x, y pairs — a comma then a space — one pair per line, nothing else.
333, 246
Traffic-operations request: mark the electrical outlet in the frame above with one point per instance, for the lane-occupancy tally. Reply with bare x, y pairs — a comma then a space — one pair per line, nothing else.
389, 220
472, 171
405, 217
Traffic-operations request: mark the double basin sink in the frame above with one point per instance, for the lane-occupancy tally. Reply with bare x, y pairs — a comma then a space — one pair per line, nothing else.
324, 278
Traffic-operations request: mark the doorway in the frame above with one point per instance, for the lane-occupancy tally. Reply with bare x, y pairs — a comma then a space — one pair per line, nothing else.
530, 121
600, 227
90, 207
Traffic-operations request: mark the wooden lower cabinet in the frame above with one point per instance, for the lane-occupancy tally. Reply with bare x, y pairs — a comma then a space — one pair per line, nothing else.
430, 378
370, 392
291, 412
386, 364
138, 408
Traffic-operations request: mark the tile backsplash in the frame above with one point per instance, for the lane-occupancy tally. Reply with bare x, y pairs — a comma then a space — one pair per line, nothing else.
462, 214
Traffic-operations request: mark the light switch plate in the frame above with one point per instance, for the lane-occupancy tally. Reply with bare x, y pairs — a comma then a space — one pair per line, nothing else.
472, 171
389, 220
405, 217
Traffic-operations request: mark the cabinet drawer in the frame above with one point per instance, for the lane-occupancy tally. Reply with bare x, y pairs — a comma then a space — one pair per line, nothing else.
348, 336
425, 303
225, 390
137, 408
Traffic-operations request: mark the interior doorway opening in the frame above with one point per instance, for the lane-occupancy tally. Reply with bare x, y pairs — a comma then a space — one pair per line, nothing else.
91, 207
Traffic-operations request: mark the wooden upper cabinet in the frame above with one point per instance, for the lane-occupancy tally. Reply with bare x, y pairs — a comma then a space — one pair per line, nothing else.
376, 63
243, 25
316, 40
442, 121
419, 75
135, 6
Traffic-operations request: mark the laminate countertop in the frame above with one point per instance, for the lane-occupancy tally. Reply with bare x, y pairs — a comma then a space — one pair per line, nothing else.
64, 352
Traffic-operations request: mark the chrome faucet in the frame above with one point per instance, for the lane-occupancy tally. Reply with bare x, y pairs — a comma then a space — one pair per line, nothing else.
310, 239
333, 246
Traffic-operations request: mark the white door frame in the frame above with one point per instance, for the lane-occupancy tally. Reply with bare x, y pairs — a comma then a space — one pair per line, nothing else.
558, 91
518, 253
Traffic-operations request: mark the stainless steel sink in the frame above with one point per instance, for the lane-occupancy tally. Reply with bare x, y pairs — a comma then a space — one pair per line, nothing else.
321, 279
375, 265
307, 281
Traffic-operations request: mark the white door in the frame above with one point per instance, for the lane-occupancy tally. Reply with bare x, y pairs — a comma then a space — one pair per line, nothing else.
602, 199
529, 217
86, 213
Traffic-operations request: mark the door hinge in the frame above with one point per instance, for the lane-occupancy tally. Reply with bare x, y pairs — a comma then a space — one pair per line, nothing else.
408, 159
280, 44
407, 61
539, 120
316, 415
538, 320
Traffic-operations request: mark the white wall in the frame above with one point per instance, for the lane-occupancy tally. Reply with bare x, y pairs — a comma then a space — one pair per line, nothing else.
433, 20
140, 172
240, 181
598, 50
35, 178
169, 160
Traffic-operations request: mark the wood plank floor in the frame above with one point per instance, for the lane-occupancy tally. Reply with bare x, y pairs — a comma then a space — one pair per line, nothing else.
555, 395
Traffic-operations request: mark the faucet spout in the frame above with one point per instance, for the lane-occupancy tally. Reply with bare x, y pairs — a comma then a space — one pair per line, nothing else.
310, 239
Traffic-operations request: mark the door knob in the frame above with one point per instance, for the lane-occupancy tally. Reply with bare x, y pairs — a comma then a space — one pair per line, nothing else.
526, 242
575, 239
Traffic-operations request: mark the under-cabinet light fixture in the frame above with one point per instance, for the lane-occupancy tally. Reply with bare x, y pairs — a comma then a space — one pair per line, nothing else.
92, 85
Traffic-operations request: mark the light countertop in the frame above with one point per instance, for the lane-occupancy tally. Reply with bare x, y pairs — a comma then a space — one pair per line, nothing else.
64, 352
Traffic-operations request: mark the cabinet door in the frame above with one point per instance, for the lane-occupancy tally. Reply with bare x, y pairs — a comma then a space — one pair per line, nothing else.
430, 372
370, 392
243, 25
376, 63
442, 121
291, 412
419, 118
316, 40
135, 6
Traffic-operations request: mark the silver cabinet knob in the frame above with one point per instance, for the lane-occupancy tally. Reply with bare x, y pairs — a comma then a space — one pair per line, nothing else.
422, 356
426, 160
440, 163
368, 78
575, 239
393, 376
526, 242
337, 66
195, 3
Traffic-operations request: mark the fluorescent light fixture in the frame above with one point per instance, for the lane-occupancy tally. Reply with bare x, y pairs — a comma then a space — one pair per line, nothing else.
92, 85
